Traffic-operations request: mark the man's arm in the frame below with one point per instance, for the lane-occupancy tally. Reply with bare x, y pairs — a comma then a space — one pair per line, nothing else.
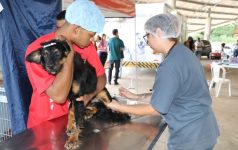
61, 85
100, 84
122, 47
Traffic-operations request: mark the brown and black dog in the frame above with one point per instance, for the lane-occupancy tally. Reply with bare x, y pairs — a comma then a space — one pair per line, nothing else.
51, 56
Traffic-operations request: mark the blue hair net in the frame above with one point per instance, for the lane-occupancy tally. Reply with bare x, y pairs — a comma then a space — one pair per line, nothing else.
85, 14
168, 23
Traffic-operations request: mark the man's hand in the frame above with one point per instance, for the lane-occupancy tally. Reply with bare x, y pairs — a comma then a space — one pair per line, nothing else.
86, 98
100, 85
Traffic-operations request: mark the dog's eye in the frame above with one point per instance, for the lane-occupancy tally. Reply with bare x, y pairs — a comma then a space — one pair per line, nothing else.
56, 52
45, 53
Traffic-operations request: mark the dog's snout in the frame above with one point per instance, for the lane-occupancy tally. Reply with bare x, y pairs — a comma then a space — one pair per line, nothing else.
50, 66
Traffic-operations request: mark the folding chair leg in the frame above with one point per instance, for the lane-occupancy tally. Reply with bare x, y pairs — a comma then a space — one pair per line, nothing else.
218, 89
229, 87
211, 84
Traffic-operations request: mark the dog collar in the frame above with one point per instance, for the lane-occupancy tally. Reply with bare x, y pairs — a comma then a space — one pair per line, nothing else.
49, 45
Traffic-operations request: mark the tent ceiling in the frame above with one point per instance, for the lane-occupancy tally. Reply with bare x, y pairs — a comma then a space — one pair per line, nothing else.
222, 11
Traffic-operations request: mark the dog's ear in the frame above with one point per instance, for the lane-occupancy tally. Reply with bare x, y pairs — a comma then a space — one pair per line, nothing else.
66, 46
34, 56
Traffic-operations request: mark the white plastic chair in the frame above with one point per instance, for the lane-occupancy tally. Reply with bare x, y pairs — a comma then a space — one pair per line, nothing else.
218, 78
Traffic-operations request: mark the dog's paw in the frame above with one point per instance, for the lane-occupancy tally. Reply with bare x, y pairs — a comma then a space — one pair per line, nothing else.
73, 141
89, 113
72, 131
72, 144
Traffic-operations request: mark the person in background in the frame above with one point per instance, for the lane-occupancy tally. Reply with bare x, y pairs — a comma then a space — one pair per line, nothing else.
116, 46
222, 46
102, 49
180, 92
60, 19
190, 43
121, 61
235, 49
97, 40
49, 97
223, 55
198, 48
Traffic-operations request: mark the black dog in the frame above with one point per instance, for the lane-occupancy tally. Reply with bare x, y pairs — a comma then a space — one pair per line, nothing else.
52, 56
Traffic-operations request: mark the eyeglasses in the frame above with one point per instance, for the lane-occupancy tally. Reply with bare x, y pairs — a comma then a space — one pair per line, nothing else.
145, 37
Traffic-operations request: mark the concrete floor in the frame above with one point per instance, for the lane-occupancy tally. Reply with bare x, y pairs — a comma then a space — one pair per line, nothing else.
141, 80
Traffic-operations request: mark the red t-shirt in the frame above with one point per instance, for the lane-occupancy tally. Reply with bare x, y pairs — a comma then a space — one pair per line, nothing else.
42, 108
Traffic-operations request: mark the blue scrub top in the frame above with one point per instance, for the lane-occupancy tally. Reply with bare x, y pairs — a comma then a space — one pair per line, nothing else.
181, 95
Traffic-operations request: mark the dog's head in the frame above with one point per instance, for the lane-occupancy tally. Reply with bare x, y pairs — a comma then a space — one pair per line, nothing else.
51, 55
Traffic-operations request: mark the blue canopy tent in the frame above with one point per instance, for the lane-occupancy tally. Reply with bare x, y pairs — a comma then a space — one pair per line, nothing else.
21, 22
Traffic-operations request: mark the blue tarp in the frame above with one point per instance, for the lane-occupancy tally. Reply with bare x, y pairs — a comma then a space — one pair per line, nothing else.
21, 22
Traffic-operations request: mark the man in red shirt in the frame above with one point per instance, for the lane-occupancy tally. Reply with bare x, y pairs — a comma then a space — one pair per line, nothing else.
49, 97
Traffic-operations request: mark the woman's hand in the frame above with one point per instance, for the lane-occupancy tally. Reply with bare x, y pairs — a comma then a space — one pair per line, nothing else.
127, 94
114, 105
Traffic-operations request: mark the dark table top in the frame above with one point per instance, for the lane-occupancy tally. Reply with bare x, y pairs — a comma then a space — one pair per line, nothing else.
97, 135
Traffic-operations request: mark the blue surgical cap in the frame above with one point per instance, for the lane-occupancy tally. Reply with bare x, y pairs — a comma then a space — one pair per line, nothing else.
168, 23
85, 14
